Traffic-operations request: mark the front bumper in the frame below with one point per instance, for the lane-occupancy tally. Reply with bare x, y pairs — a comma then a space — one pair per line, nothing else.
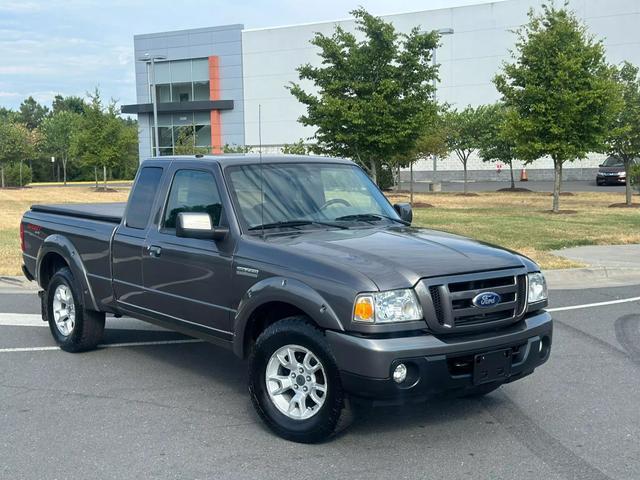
611, 180
438, 364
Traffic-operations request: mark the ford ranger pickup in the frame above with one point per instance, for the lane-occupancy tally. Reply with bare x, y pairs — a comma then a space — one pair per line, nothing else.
301, 265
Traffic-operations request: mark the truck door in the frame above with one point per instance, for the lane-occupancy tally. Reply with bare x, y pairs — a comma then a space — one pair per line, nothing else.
128, 241
188, 279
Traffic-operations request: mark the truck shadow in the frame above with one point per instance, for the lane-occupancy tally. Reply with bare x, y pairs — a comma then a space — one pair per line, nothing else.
217, 367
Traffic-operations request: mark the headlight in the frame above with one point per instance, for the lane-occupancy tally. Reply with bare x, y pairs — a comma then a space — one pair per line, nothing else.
537, 288
622, 174
385, 307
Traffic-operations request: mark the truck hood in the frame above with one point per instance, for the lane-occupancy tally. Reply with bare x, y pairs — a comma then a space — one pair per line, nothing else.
397, 257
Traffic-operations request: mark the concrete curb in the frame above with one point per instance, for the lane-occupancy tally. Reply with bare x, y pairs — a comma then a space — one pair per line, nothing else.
592, 277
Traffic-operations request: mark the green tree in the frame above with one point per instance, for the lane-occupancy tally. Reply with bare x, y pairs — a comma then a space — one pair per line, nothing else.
102, 140
431, 142
235, 148
297, 148
497, 141
561, 91
16, 145
68, 104
58, 131
374, 90
31, 113
623, 139
185, 144
8, 115
465, 130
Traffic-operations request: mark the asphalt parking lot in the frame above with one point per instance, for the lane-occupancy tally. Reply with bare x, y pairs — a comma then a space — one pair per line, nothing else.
150, 406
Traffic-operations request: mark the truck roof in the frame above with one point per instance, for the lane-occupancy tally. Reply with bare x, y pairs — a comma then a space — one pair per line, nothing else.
252, 158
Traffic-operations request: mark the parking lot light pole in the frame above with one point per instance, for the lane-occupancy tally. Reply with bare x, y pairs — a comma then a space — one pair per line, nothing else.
151, 59
441, 32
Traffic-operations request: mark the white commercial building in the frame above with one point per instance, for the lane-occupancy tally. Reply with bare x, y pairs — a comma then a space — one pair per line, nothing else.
469, 58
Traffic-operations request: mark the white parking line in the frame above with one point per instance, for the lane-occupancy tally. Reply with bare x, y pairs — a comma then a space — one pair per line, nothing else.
17, 319
592, 305
35, 320
107, 345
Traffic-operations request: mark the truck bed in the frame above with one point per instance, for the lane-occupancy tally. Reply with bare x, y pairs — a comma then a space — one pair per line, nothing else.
105, 212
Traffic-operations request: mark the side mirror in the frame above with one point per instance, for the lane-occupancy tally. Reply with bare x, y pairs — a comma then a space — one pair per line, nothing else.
601, 165
405, 212
198, 225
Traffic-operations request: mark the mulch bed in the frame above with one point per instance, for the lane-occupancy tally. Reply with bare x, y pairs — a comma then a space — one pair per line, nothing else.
563, 194
468, 194
422, 205
102, 189
515, 190
624, 205
561, 212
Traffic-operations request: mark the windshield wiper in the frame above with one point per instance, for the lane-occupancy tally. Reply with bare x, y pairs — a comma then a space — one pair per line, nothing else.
370, 217
295, 223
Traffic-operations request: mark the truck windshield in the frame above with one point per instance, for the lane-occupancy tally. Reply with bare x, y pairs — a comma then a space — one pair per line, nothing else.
306, 195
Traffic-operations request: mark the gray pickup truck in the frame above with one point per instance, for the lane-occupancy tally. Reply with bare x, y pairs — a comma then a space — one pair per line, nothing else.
301, 265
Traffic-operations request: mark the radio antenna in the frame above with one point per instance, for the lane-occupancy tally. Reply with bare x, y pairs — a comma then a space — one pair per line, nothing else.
261, 169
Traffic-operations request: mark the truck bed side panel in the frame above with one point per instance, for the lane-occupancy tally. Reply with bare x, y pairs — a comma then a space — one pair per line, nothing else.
90, 239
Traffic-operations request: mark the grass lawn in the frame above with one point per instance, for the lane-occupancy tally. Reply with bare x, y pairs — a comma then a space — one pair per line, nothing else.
14, 202
521, 221
514, 220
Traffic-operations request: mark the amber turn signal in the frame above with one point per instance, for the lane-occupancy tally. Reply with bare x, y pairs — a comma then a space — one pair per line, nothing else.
363, 309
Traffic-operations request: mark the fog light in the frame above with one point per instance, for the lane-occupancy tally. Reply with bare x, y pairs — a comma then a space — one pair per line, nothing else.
400, 373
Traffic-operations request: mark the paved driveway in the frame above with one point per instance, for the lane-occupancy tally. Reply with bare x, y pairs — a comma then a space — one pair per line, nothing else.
181, 410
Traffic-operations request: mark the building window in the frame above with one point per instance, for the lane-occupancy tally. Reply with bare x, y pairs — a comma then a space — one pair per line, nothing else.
182, 80
184, 130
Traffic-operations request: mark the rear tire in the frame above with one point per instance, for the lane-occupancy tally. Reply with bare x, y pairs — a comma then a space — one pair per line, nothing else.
308, 416
74, 328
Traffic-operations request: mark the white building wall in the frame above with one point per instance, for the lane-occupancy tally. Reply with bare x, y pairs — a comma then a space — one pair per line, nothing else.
469, 60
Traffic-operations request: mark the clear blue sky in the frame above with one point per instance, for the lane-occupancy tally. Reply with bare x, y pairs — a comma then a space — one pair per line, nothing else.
70, 46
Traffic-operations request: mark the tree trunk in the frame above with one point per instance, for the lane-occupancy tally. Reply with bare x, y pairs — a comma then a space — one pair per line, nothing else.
374, 171
513, 182
95, 173
464, 166
557, 184
628, 193
104, 175
2, 174
64, 169
411, 183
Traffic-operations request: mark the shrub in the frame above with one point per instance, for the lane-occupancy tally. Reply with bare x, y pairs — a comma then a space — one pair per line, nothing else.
12, 175
634, 176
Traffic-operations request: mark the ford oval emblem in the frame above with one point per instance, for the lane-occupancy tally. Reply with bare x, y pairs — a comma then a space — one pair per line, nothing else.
486, 299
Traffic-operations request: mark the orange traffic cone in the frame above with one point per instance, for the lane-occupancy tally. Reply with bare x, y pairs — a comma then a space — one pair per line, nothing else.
523, 175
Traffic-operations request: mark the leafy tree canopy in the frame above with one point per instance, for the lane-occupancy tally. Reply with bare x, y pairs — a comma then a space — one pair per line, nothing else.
560, 88
372, 92
31, 113
623, 140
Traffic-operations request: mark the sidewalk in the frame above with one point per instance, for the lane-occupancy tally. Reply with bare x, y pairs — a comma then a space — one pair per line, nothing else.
608, 266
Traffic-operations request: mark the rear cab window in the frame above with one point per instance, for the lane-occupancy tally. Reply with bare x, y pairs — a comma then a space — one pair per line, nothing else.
142, 197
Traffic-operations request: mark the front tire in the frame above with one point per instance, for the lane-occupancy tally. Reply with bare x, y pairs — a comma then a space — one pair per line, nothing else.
294, 381
74, 328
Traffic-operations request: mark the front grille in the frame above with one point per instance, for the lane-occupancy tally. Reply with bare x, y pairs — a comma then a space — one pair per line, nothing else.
451, 300
437, 303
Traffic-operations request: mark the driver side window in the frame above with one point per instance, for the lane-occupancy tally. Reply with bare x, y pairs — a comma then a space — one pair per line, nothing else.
192, 191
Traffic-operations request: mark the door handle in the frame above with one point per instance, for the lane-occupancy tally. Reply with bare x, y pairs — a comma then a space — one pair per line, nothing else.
154, 251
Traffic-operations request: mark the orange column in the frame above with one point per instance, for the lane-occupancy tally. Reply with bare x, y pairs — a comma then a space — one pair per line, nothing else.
214, 94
